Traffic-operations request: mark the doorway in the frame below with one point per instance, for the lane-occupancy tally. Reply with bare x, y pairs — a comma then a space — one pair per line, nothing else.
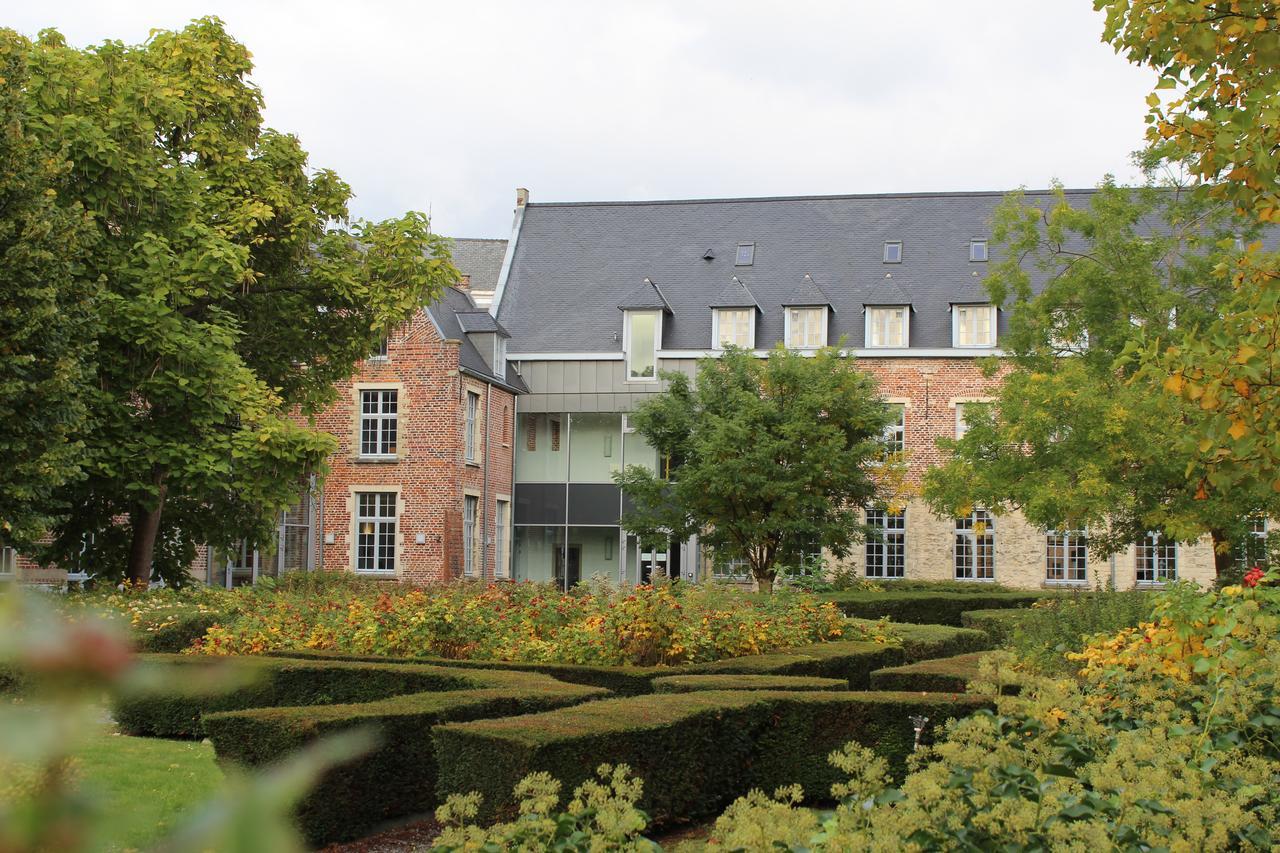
566, 580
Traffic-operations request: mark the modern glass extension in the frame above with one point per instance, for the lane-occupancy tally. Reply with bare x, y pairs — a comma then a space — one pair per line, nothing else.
568, 508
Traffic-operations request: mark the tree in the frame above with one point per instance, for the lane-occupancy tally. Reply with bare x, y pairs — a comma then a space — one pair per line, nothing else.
763, 458
1219, 74
46, 319
233, 291
1080, 436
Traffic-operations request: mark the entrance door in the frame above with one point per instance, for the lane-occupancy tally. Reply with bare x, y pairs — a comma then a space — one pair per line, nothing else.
574, 574
243, 564
653, 564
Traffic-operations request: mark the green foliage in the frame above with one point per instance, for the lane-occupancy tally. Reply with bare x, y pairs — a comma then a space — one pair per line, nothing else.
997, 623
229, 291
767, 458
927, 607
47, 323
1047, 632
1080, 437
691, 683
940, 675
695, 751
601, 816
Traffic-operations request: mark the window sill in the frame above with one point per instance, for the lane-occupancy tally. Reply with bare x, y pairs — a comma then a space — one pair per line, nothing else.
1064, 584
471, 463
377, 574
375, 460
976, 580
1151, 584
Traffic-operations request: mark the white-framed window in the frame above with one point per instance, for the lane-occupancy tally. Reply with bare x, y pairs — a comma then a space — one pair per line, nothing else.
736, 326
499, 356
471, 430
1252, 551
376, 532
887, 553
975, 548
978, 250
379, 426
8, 563
502, 538
973, 325
964, 411
643, 332
380, 352
806, 327
745, 256
888, 326
1066, 557
1157, 559
1062, 337
730, 571
470, 532
893, 251
895, 434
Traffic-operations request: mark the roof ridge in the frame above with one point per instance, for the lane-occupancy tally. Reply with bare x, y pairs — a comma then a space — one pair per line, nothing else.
836, 197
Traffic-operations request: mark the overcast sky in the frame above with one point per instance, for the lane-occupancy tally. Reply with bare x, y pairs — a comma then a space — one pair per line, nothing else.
450, 106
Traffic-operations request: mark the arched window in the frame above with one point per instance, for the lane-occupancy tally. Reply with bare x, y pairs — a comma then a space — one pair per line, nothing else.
975, 549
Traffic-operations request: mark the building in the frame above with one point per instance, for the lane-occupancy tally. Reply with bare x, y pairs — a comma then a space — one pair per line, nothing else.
599, 298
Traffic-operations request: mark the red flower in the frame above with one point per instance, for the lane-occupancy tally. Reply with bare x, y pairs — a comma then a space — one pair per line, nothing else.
1253, 576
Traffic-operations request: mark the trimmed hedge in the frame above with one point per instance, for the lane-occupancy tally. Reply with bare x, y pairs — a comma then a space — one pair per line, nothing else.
696, 752
922, 642
926, 607
690, 683
941, 675
178, 636
998, 624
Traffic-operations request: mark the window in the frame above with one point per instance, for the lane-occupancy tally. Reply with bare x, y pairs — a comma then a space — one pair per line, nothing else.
644, 328
470, 503
974, 325
887, 327
1066, 557
975, 550
1252, 551
978, 251
499, 356
964, 411
1157, 559
896, 432
736, 326
730, 571
380, 352
501, 539
893, 251
746, 255
471, 436
1061, 335
806, 327
378, 427
375, 531
887, 545
8, 563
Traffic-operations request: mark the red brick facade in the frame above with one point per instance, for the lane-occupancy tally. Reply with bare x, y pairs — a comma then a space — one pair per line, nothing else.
429, 471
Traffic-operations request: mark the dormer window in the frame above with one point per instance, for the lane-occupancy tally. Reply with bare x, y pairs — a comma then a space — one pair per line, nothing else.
973, 325
640, 343
893, 251
978, 250
499, 356
806, 327
733, 327
746, 255
888, 326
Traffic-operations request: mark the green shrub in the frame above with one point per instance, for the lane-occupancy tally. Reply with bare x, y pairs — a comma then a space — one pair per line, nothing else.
1044, 634
998, 623
922, 642
694, 751
941, 675
852, 661
176, 633
690, 683
927, 607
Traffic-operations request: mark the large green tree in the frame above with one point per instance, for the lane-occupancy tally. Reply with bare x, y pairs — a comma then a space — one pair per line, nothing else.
1080, 437
231, 291
1216, 107
47, 324
763, 458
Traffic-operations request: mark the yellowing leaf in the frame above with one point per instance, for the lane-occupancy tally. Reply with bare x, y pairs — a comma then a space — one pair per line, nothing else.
1174, 384
1242, 387
1245, 353
1205, 444
1238, 429
1153, 100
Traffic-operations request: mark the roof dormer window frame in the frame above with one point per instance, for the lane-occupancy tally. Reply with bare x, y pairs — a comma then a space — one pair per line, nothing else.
893, 251
978, 250
644, 360
717, 342
872, 313
823, 315
964, 307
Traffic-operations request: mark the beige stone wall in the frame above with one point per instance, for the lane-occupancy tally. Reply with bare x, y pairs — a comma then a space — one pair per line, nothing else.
1020, 554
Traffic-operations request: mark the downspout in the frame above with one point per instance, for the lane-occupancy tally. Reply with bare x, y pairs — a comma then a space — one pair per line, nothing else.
484, 488
511, 504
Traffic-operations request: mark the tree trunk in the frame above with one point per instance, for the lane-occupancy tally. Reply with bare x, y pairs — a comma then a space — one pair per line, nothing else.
1224, 561
764, 583
145, 522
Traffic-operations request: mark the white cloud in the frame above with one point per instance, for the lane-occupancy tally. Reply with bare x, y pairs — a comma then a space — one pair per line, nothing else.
451, 106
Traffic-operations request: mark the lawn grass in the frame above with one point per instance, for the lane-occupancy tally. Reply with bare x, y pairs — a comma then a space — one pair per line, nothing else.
144, 786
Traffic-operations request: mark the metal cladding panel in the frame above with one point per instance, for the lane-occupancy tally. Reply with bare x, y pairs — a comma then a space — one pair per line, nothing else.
539, 503
594, 503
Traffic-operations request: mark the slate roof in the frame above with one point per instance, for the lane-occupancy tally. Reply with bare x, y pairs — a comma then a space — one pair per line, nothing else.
481, 259
646, 296
480, 320
575, 263
734, 294
446, 312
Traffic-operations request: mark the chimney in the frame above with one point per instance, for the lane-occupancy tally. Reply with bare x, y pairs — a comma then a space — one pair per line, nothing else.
464, 282
522, 196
